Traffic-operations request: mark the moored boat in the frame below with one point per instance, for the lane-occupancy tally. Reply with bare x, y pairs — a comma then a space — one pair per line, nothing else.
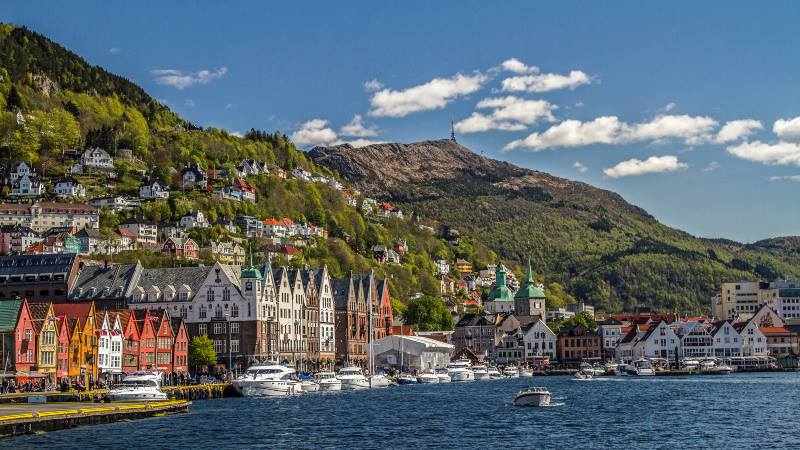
533, 396
405, 378
639, 368
525, 372
480, 372
352, 378
327, 381
511, 372
267, 380
141, 386
444, 377
460, 371
308, 386
494, 373
428, 377
379, 380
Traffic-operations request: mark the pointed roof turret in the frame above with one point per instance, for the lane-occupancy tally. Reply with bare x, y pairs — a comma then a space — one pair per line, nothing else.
530, 289
251, 271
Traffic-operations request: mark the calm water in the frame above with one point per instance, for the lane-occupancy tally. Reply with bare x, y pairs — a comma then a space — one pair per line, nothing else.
736, 411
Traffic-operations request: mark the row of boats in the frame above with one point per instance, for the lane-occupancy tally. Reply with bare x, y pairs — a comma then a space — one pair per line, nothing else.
272, 379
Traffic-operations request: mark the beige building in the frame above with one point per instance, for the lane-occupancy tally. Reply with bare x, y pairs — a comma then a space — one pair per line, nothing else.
41, 216
739, 299
228, 252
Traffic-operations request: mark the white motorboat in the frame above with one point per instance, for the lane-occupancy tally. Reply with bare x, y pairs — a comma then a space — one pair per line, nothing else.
525, 372
428, 377
307, 386
494, 373
443, 375
581, 375
405, 378
723, 369
267, 380
141, 386
707, 365
327, 381
640, 368
352, 378
511, 372
596, 370
379, 381
459, 370
480, 372
534, 396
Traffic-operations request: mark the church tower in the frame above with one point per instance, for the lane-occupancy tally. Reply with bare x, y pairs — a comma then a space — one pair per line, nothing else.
529, 300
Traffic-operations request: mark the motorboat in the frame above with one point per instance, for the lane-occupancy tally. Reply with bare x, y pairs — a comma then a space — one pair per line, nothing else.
480, 372
639, 368
533, 396
525, 372
267, 380
723, 369
494, 373
707, 365
581, 375
612, 369
511, 372
428, 377
379, 380
444, 377
593, 370
352, 378
308, 386
405, 378
138, 386
327, 381
460, 370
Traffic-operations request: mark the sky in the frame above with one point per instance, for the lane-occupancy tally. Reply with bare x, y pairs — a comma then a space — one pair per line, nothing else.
689, 110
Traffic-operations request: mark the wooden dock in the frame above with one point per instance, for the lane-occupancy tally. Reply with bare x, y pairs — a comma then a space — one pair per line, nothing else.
25, 418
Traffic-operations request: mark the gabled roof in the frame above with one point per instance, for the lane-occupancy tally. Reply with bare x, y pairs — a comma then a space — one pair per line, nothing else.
89, 233
174, 276
474, 320
112, 281
73, 310
30, 264
342, 290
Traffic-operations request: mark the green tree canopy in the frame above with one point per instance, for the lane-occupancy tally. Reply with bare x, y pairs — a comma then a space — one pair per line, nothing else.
201, 351
583, 318
428, 313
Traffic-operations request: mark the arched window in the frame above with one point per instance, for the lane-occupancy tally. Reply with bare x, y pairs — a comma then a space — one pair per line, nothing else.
226, 295
218, 311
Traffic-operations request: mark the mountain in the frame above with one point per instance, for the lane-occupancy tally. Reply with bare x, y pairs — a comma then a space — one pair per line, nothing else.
599, 247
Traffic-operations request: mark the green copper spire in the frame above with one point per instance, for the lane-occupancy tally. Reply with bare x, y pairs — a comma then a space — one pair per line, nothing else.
529, 290
250, 271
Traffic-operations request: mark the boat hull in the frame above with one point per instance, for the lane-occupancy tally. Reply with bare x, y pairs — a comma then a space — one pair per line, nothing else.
533, 399
131, 396
331, 386
309, 387
266, 388
428, 380
462, 376
444, 378
379, 381
355, 384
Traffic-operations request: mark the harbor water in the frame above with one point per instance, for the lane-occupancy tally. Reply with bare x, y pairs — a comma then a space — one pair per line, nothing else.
734, 411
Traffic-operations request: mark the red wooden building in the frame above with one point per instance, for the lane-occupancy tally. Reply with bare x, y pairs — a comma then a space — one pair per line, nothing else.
147, 340
163, 340
64, 340
180, 347
130, 343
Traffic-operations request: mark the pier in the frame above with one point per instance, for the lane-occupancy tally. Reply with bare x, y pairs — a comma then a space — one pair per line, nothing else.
16, 419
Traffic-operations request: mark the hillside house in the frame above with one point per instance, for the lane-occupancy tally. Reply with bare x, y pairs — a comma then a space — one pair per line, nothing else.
69, 187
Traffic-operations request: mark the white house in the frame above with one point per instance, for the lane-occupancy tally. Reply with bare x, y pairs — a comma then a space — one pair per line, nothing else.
301, 173
115, 203
145, 231
539, 340
442, 267
97, 158
194, 176
90, 238
754, 343
27, 186
109, 344
659, 341
152, 189
610, 334
194, 219
696, 340
20, 170
70, 187
726, 340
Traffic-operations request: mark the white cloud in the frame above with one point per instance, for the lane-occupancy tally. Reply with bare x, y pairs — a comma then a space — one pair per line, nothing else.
517, 66
114, 50
357, 129
653, 164
781, 153
314, 132
361, 142
712, 166
735, 130
580, 167
669, 107
787, 130
795, 178
435, 94
181, 80
508, 114
572, 133
610, 130
228, 105
545, 82
373, 85
189, 102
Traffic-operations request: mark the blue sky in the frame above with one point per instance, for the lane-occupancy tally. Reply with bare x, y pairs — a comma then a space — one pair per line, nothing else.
684, 109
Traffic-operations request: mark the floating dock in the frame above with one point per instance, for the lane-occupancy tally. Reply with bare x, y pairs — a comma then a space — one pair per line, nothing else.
25, 418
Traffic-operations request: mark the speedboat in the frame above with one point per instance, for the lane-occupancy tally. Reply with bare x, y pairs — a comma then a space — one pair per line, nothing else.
138, 386
428, 377
480, 372
443, 376
640, 368
327, 381
525, 372
723, 369
533, 396
494, 373
267, 380
352, 378
379, 380
592, 370
707, 365
307, 386
511, 372
459, 370
581, 375
405, 378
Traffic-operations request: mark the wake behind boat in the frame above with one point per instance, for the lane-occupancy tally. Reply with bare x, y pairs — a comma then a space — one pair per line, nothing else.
138, 386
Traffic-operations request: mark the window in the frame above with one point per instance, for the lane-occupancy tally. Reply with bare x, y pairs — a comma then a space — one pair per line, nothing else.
184, 312
203, 311
235, 311
234, 327
218, 328
219, 345
235, 345
210, 294
226, 295
183, 296
202, 328
218, 312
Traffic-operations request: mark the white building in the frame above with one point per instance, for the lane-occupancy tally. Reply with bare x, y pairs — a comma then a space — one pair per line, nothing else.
291, 298
115, 203
726, 340
659, 341
194, 219
539, 340
301, 173
443, 268
610, 334
41, 216
415, 352
327, 313
20, 170
153, 189
696, 340
109, 344
145, 231
97, 158
27, 186
70, 187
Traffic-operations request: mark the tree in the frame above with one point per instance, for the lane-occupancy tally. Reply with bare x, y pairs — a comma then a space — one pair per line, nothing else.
201, 352
583, 318
428, 313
